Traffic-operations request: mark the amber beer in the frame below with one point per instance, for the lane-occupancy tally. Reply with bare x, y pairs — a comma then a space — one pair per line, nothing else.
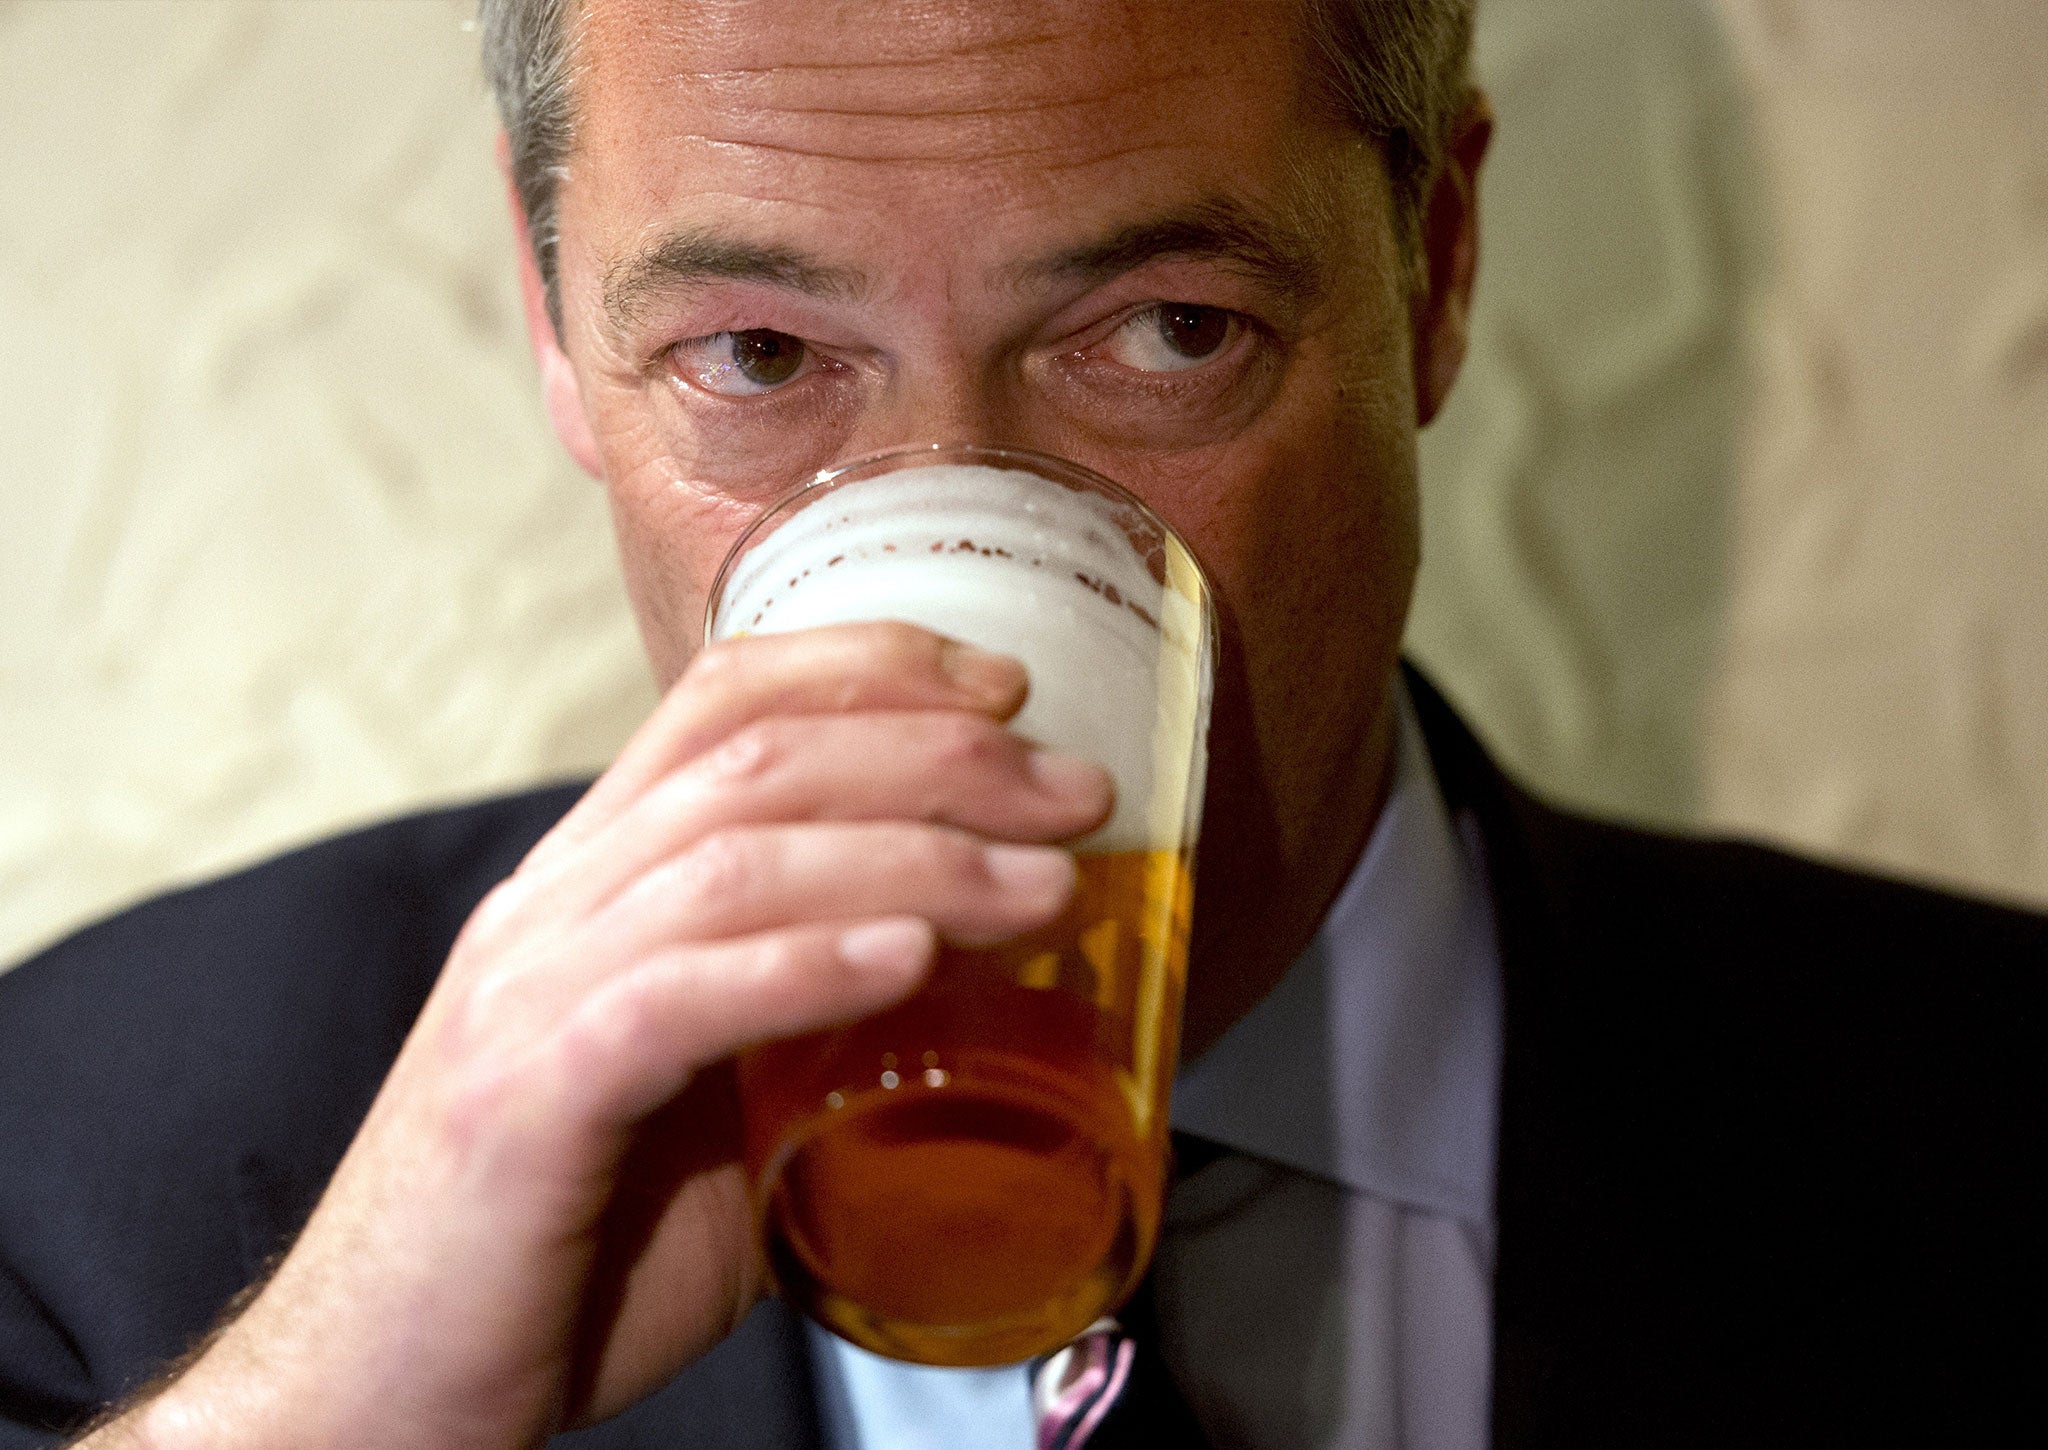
975, 1176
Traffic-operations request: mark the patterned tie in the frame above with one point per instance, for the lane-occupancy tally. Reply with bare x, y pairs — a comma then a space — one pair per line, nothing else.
1110, 1389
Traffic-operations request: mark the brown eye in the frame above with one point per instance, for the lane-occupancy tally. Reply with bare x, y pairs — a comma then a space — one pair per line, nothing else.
1193, 332
1171, 337
766, 358
739, 363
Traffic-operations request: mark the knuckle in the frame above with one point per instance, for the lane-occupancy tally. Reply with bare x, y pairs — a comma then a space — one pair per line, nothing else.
716, 867
779, 964
614, 1028
873, 654
466, 1024
496, 913
905, 651
795, 973
946, 855
480, 1017
750, 752
971, 742
905, 645
717, 667
477, 1103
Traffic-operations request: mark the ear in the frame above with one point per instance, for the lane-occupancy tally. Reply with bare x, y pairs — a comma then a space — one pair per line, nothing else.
1450, 254
558, 385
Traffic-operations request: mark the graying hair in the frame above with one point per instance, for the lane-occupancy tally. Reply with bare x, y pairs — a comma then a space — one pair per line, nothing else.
528, 54
1397, 70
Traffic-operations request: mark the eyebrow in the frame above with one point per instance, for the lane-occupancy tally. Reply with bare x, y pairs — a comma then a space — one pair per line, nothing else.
693, 258
1219, 231
1216, 230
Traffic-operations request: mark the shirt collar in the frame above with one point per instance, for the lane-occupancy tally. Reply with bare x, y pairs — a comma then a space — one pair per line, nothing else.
1375, 1062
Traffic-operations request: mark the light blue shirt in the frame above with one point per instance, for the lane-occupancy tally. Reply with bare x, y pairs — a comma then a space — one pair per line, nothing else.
1329, 1282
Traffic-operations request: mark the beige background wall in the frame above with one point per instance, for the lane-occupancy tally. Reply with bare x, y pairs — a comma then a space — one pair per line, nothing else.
1739, 517
1883, 692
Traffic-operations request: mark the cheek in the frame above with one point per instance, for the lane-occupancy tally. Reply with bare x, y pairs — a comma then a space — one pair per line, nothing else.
1312, 547
1317, 557
1309, 526
672, 536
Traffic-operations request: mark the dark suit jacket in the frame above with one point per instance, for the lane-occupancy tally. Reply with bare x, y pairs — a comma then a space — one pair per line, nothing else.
1764, 1171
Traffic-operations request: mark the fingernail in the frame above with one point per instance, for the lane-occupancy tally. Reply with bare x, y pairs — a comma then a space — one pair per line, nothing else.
1067, 775
979, 672
1036, 871
898, 947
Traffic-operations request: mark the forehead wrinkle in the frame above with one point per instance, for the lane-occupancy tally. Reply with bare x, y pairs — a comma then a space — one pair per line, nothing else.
693, 257
1274, 253
938, 159
967, 122
945, 57
940, 113
934, 60
886, 102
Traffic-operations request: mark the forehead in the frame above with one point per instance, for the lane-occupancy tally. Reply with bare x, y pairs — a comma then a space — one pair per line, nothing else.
988, 106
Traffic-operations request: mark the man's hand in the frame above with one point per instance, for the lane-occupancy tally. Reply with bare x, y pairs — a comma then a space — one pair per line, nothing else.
542, 1217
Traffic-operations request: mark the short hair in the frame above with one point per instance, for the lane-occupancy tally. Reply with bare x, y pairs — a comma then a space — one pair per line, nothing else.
1396, 70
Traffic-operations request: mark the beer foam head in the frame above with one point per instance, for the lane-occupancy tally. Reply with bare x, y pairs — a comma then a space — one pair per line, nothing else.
1103, 613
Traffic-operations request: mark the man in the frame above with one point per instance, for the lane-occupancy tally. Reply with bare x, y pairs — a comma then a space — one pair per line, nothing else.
1754, 1119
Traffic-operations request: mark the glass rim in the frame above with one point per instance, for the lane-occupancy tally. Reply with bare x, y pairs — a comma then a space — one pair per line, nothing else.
1059, 470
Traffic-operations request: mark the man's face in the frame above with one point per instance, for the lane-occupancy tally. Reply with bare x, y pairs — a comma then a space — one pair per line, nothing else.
794, 232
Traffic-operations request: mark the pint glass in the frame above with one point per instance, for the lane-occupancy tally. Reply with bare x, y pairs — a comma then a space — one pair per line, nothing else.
973, 1177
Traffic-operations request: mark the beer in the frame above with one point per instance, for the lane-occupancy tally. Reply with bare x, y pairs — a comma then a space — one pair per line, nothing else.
975, 1176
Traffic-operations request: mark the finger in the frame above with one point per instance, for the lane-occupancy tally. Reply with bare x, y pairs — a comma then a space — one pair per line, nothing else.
944, 767
632, 1044
758, 878
878, 665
